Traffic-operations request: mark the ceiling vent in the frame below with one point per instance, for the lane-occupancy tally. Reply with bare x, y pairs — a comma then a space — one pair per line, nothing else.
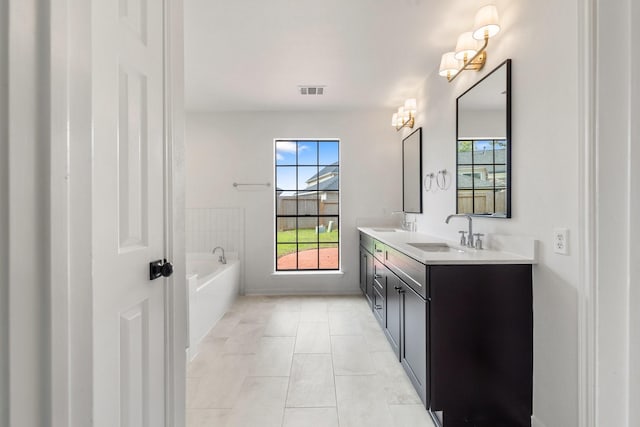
311, 90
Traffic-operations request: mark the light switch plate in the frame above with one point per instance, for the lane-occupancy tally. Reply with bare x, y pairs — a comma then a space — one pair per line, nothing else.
561, 241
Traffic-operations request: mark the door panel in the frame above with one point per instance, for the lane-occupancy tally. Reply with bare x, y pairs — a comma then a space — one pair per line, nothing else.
392, 327
128, 212
414, 342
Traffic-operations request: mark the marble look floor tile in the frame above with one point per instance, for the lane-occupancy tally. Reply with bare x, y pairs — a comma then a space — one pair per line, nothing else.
220, 388
376, 340
350, 356
336, 355
344, 303
311, 383
344, 323
260, 403
226, 324
263, 392
259, 314
310, 417
313, 337
359, 405
288, 303
314, 316
204, 362
273, 357
313, 304
410, 416
396, 385
282, 324
244, 339
207, 417
191, 391
255, 417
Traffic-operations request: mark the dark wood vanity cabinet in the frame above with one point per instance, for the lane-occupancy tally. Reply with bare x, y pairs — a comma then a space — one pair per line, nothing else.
481, 344
463, 333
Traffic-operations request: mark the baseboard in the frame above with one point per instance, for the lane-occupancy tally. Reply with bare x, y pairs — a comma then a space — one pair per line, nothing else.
536, 422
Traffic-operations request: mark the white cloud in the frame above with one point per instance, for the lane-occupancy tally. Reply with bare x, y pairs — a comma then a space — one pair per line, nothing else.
279, 156
288, 147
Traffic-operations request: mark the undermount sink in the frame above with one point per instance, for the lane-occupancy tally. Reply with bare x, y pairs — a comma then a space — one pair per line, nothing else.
434, 247
386, 230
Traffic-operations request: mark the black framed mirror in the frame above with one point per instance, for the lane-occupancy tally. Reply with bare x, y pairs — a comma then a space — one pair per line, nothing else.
412, 172
483, 146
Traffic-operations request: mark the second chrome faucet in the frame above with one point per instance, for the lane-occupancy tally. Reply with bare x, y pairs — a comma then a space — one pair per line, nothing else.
469, 240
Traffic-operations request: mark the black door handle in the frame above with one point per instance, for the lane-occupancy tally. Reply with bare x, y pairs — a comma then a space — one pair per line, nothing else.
160, 268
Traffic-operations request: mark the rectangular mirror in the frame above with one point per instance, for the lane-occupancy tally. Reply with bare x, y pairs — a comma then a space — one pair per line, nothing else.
412, 172
483, 146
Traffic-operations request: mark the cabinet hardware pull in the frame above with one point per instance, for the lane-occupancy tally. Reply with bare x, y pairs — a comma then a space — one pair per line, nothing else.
397, 288
378, 250
378, 307
377, 276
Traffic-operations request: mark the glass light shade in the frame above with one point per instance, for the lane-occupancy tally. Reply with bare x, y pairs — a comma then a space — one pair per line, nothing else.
486, 22
449, 65
400, 113
466, 45
394, 119
410, 105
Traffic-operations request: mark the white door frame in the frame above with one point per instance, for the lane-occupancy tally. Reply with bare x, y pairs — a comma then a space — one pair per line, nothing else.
587, 291
609, 309
71, 226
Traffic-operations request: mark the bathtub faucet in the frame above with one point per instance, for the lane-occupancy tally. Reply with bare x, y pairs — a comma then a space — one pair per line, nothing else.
222, 259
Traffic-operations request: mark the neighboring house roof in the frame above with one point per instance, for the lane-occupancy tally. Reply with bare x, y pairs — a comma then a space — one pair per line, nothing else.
482, 156
333, 168
329, 184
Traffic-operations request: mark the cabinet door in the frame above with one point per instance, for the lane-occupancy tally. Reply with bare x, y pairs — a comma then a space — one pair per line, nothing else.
363, 270
392, 324
369, 277
413, 350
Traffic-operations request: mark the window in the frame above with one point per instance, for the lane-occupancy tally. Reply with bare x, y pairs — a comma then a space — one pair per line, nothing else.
482, 176
307, 205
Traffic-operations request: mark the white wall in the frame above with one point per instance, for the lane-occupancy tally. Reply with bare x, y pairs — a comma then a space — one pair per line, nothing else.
238, 147
541, 38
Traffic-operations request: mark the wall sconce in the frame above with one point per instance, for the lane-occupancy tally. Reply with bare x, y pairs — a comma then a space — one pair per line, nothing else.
467, 55
406, 115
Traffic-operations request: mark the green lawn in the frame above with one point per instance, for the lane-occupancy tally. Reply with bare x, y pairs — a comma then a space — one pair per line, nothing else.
305, 235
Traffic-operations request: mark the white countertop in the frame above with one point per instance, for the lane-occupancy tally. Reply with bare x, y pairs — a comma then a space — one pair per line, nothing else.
399, 240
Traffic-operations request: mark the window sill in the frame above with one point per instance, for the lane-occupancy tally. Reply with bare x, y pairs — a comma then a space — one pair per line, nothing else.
309, 273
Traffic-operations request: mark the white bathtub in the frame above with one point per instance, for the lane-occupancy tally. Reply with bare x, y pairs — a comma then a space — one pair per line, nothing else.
213, 287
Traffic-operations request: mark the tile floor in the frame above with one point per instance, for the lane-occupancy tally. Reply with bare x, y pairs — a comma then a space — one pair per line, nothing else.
296, 362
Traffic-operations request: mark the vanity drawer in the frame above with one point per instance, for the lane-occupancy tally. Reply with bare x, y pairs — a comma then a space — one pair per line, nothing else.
366, 242
378, 250
412, 272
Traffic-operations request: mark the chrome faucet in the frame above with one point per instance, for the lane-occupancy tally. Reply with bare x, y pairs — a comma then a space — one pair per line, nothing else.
469, 240
222, 259
406, 225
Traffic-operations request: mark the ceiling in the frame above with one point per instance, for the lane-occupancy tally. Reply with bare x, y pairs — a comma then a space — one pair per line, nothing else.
251, 55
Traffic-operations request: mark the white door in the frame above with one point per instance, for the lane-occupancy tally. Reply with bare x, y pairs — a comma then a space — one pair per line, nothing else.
129, 219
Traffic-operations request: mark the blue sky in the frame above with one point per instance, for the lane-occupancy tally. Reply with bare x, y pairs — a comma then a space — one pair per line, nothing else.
308, 153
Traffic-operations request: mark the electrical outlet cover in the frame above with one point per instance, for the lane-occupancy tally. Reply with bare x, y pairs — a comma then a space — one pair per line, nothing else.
561, 241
